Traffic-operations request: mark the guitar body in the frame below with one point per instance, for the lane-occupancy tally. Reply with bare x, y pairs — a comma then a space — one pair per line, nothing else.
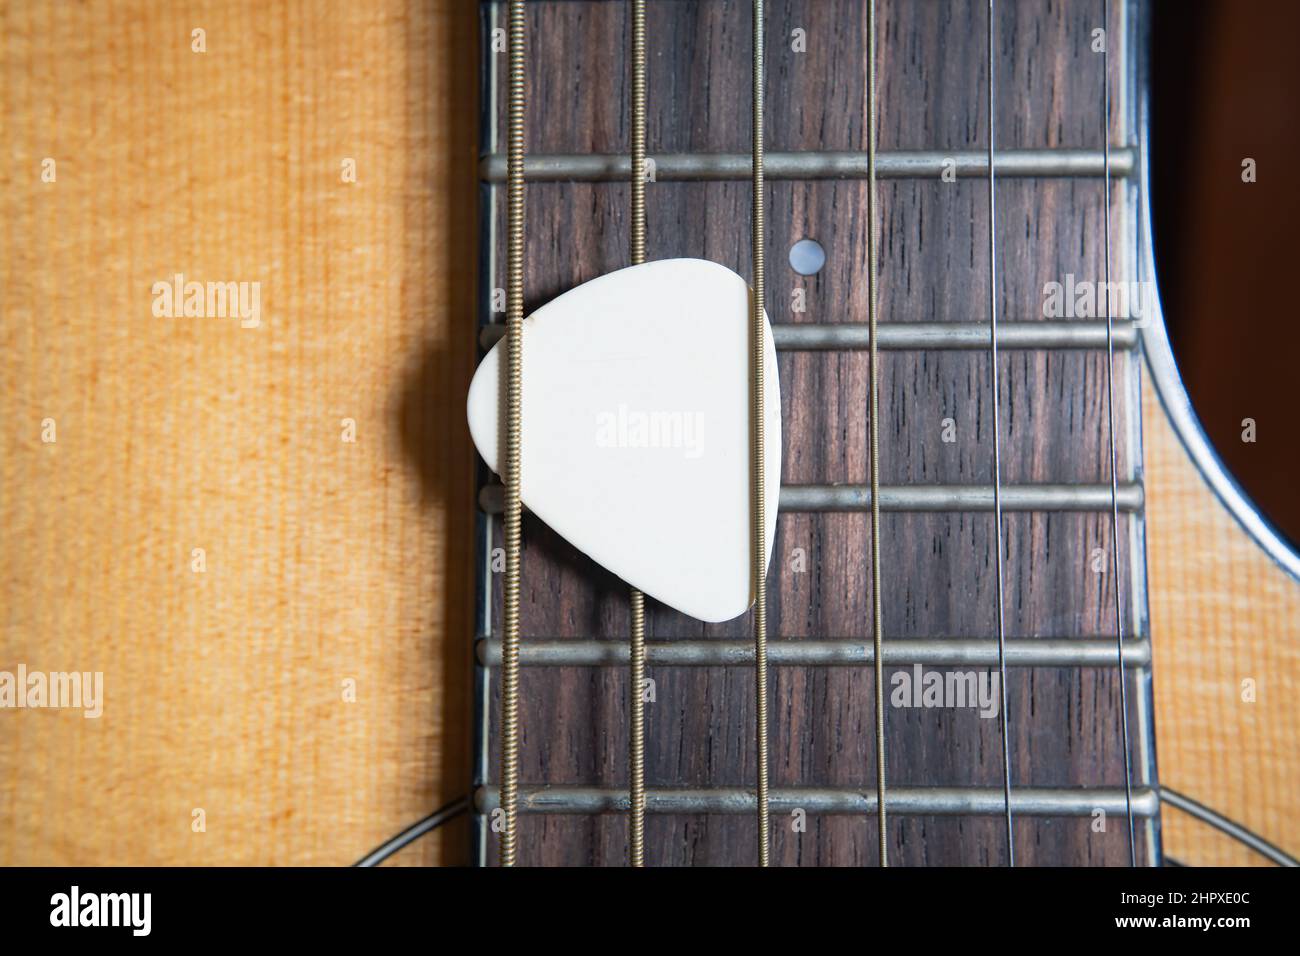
312, 691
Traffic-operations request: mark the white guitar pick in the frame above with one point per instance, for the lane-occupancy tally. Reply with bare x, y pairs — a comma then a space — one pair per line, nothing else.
636, 429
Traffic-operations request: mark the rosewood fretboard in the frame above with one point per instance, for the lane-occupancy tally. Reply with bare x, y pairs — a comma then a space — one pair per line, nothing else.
945, 763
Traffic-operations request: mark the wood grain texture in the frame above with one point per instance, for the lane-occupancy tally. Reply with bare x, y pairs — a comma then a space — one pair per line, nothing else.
325, 561
1222, 613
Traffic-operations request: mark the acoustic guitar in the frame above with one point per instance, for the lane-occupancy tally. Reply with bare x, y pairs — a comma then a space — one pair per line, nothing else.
1015, 610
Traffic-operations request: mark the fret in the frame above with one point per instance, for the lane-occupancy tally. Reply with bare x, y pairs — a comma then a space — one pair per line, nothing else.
1045, 335
823, 652
909, 801
819, 164
928, 498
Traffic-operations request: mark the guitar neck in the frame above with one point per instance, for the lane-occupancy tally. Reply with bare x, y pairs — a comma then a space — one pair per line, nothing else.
1060, 551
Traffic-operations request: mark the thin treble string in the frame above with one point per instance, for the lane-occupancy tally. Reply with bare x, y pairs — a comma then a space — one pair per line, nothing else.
758, 462
636, 649
514, 394
997, 452
1110, 411
877, 615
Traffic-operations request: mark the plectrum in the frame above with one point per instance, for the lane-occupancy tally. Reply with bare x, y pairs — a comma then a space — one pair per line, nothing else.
635, 440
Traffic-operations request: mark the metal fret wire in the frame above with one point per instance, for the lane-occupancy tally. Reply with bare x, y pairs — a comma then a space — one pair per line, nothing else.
758, 461
514, 389
1110, 413
925, 498
1039, 334
997, 450
816, 165
1052, 802
636, 650
877, 608
824, 651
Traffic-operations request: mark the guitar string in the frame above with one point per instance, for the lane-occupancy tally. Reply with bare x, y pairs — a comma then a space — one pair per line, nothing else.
514, 389
1110, 412
997, 448
416, 830
758, 480
877, 608
636, 666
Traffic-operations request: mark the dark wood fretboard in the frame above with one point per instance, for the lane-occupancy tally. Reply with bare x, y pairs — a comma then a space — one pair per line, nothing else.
1063, 698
